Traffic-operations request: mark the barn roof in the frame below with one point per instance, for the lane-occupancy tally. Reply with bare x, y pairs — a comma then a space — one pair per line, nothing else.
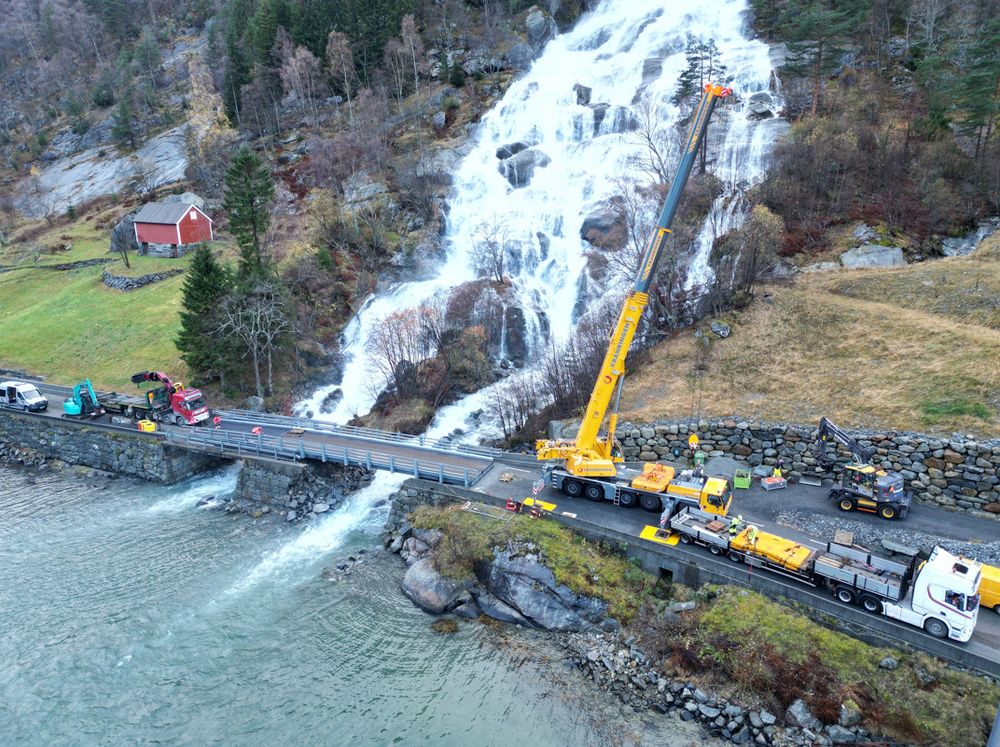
163, 212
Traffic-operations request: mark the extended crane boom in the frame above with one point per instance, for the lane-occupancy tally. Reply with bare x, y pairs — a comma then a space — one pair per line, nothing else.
591, 455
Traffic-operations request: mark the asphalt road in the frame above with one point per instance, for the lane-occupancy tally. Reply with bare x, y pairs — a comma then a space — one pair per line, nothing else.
762, 507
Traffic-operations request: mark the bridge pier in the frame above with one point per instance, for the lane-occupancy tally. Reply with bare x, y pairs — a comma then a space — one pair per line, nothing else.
295, 486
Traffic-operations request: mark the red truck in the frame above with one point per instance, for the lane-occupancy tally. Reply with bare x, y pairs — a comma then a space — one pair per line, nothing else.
169, 401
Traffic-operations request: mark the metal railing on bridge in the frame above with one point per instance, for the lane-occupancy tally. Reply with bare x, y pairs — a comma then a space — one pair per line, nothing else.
367, 434
296, 450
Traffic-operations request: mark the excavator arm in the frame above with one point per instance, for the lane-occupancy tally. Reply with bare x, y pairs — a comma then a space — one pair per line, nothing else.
830, 432
591, 455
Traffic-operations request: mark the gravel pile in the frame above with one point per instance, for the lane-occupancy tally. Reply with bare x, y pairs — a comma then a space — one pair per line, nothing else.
871, 536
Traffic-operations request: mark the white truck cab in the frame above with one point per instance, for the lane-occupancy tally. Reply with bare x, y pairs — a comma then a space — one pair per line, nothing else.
944, 599
18, 395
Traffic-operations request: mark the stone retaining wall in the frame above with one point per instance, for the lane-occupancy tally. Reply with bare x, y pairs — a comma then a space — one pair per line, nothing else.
121, 452
960, 473
126, 283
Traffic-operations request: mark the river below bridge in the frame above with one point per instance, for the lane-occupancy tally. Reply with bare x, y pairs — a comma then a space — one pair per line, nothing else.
128, 614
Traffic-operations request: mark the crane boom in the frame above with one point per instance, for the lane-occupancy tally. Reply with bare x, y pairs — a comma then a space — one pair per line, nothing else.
828, 431
589, 454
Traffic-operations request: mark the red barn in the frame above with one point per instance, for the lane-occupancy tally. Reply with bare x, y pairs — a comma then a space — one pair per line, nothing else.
172, 223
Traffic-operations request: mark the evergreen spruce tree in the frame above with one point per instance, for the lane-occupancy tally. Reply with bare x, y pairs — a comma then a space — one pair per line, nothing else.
207, 282
978, 90
123, 121
249, 191
817, 31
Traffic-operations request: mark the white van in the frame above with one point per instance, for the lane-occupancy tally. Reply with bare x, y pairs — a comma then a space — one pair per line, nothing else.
16, 395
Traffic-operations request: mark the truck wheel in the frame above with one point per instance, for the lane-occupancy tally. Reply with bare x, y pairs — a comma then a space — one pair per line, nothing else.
573, 488
846, 504
130, 412
871, 604
651, 502
937, 628
685, 540
888, 511
715, 549
845, 595
594, 492
627, 500
735, 556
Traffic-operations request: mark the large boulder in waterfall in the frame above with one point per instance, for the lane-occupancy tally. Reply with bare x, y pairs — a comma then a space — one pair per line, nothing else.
519, 168
761, 105
511, 149
600, 112
540, 27
604, 226
519, 56
528, 586
431, 591
515, 342
582, 94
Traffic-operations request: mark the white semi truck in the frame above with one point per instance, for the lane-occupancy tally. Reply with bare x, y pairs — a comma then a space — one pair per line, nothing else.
939, 594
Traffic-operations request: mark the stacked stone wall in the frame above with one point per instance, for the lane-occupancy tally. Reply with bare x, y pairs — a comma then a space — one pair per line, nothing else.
959, 472
296, 490
121, 452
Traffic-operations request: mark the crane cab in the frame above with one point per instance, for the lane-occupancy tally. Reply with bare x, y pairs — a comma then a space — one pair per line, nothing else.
713, 494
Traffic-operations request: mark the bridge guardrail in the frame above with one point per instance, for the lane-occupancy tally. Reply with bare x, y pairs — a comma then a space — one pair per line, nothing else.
371, 434
276, 447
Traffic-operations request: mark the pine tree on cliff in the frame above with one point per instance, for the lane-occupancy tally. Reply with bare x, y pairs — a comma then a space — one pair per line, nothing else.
207, 282
249, 191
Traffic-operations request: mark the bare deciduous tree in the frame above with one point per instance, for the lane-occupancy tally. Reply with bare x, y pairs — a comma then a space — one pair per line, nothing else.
489, 250
657, 142
302, 78
340, 64
259, 320
414, 46
398, 343
395, 59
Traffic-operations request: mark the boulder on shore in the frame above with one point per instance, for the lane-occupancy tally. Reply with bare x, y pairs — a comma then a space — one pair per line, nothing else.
431, 591
873, 255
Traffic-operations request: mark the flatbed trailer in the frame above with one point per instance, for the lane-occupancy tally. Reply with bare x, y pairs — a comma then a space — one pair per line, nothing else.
939, 594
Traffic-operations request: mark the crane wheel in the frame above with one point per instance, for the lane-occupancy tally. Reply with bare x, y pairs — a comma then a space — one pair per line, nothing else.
846, 504
651, 503
627, 499
888, 512
594, 492
573, 488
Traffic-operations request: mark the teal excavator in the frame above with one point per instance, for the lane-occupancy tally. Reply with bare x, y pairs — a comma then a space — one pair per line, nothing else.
83, 403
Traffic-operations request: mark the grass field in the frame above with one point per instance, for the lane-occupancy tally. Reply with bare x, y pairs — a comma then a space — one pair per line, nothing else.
66, 325
916, 347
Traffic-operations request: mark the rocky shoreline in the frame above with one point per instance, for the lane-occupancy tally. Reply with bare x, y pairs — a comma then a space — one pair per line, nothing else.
516, 587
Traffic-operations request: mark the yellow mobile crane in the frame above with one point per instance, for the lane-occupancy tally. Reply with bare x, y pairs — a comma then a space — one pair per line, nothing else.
590, 461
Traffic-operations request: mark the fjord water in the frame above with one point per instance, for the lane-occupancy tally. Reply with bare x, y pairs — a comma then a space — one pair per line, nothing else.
625, 50
130, 615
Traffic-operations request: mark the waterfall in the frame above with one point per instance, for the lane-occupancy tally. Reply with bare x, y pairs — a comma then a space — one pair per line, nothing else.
622, 50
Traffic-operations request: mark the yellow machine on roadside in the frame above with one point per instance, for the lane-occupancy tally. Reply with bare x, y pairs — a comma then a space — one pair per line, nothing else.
590, 462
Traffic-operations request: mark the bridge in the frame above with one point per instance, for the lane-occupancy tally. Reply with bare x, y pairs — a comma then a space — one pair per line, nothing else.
290, 439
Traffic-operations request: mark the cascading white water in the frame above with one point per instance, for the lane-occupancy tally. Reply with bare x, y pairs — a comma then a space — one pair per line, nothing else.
623, 50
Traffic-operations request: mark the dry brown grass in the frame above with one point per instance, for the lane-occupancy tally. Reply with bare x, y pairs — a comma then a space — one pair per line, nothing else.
867, 348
